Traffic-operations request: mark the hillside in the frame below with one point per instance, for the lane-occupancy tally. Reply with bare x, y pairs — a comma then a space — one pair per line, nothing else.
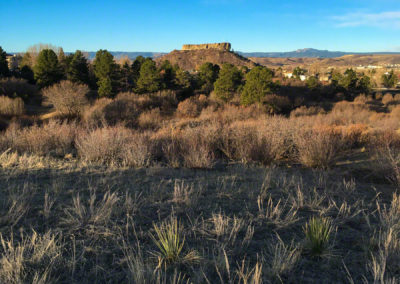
343, 61
192, 59
310, 53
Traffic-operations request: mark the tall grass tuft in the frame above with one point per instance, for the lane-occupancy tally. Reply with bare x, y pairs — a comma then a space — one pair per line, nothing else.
169, 239
317, 232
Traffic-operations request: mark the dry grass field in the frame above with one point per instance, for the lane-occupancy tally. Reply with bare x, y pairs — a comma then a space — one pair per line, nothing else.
145, 190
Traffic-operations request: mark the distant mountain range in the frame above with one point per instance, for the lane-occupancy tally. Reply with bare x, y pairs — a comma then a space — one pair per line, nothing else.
130, 55
308, 53
305, 53
300, 53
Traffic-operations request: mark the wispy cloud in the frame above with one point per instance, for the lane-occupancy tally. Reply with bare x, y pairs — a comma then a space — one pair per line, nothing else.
383, 20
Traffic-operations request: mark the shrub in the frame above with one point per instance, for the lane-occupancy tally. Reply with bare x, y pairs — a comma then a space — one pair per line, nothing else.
307, 111
12, 87
11, 107
198, 147
387, 98
104, 145
396, 112
387, 148
378, 96
53, 138
191, 107
94, 115
347, 113
253, 141
317, 233
361, 99
139, 151
127, 107
171, 148
115, 145
318, 148
68, 98
151, 119
276, 104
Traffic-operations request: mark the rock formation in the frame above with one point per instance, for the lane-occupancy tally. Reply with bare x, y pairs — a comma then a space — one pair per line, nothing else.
220, 46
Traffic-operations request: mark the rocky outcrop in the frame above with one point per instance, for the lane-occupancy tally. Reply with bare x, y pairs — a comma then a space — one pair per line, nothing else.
220, 46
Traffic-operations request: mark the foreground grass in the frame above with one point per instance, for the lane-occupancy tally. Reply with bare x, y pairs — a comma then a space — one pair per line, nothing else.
74, 224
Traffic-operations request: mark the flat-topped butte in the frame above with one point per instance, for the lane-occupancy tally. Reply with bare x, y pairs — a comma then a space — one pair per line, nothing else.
220, 46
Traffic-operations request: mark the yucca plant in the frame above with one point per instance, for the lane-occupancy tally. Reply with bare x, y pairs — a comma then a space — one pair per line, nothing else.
170, 239
317, 232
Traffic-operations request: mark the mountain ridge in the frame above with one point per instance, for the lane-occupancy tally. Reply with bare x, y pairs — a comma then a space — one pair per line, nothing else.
299, 53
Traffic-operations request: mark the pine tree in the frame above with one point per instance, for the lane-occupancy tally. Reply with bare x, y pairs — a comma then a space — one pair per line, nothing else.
208, 74
136, 65
105, 87
168, 75
228, 82
126, 78
106, 72
149, 79
78, 70
389, 80
258, 85
4, 71
47, 69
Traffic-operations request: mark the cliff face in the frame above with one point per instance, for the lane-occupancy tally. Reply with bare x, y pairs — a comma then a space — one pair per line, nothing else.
220, 46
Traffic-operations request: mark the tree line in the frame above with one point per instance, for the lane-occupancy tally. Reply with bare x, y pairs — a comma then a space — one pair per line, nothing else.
108, 78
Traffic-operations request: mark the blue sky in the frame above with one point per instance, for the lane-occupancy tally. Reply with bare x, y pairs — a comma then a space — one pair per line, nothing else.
164, 25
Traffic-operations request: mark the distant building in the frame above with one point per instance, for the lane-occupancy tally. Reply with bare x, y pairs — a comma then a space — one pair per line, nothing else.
288, 75
324, 78
13, 61
303, 77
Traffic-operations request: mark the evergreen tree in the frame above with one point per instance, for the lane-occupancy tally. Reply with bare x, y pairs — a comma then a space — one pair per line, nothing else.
389, 80
258, 85
312, 82
4, 71
64, 61
47, 69
149, 79
349, 80
168, 73
208, 74
78, 70
26, 73
136, 65
364, 85
106, 71
297, 72
228, 82
126, 78
182, 79
104, 87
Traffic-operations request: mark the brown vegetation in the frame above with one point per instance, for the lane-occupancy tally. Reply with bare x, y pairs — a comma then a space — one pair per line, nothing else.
11, 107
272, 199
68, 98
193, 59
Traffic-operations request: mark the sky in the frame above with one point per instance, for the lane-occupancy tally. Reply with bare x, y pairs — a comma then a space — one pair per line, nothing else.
164, 25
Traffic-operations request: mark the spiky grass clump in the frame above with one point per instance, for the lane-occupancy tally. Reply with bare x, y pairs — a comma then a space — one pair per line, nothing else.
282, 258
169, 239
317, 232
